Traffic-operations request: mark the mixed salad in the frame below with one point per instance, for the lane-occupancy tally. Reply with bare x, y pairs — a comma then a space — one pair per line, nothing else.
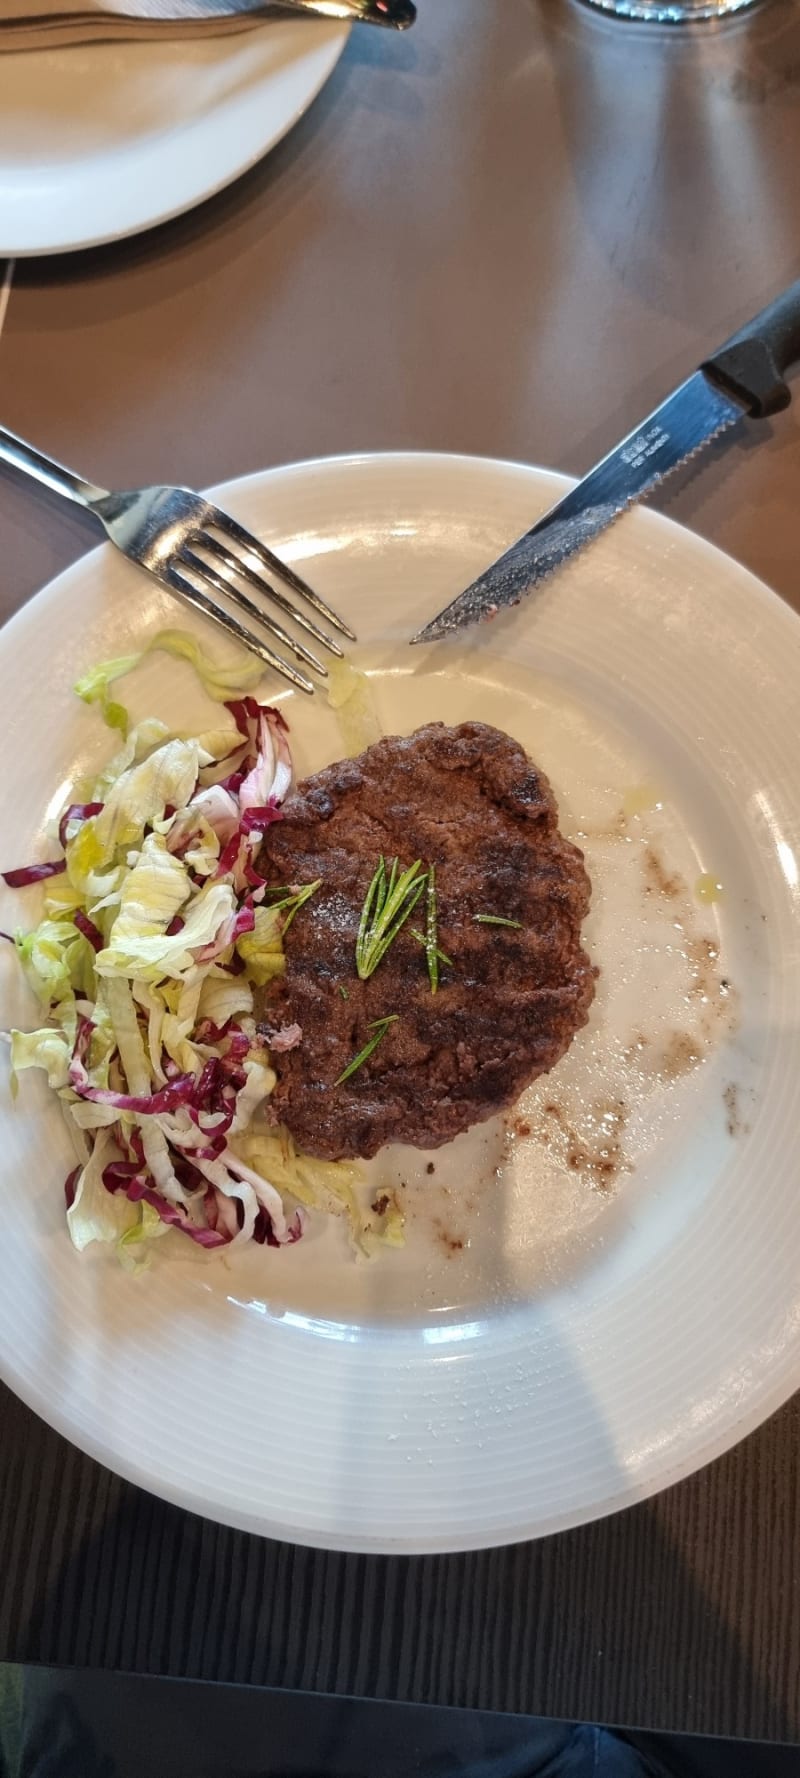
158, 933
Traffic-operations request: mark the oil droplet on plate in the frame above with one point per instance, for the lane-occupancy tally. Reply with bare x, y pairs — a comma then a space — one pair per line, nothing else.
638, 798
707, 889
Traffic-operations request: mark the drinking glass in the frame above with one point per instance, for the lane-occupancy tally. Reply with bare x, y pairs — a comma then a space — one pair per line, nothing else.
672, 12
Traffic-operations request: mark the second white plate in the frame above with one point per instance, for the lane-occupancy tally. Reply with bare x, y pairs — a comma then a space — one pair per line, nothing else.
101, 141
594, 1307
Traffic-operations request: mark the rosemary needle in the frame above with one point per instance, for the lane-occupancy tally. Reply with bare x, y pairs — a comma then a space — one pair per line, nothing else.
422, 940
379, 1027
431, 946
293, 900
496, 920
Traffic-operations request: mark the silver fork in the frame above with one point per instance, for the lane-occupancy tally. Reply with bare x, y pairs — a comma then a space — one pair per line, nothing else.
194, 548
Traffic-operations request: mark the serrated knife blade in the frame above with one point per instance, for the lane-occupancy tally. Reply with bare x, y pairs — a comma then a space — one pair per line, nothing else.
695, 414
745, 377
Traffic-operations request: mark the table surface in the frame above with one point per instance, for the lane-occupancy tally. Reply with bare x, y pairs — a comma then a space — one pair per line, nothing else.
509, 233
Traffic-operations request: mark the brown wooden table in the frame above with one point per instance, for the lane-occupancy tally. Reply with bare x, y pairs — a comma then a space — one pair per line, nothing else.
508, 232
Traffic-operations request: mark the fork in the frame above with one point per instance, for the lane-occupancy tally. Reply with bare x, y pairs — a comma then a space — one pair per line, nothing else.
397, 14
193, 548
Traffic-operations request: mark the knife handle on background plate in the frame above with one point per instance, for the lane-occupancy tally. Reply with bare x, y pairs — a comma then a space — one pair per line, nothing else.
752, 363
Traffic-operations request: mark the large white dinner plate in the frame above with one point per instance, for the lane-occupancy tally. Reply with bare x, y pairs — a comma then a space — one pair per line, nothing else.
564, 1333
102, 140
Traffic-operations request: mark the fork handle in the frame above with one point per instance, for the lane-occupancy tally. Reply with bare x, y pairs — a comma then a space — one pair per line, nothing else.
25, 457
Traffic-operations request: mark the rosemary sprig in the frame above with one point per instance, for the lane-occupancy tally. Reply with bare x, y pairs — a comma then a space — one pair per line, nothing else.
380, 1028
496, 920
293, 899
387, 904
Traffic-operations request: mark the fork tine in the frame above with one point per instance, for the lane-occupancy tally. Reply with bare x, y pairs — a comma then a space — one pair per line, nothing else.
237, 566
209, 576
245, 540
177, 583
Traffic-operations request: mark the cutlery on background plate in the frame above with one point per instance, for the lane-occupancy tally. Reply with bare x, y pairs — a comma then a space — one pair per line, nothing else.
46, 23
397, 14
193, 548
744, 377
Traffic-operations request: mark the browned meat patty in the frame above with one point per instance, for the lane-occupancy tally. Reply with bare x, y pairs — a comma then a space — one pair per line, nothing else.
469, 801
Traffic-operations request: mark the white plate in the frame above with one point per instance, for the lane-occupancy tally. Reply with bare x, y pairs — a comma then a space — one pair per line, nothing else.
604, 1328
101, 141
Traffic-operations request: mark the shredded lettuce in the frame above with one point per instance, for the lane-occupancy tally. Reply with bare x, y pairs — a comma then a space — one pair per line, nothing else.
57, 961
95, 1214
259, 1082
333, 1187
131, 1250
146, 965
93, 689
47, 1048
224, 997
262, 950
220, 681
139, 943
350, 695
140, 795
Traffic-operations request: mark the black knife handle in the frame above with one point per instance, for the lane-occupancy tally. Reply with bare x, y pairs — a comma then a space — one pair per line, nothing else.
752, 363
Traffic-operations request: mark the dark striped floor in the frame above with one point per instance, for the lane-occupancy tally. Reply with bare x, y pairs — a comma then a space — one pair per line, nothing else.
682, 1614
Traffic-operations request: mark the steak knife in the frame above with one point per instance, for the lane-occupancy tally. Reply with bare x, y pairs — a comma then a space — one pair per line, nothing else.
746, 377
